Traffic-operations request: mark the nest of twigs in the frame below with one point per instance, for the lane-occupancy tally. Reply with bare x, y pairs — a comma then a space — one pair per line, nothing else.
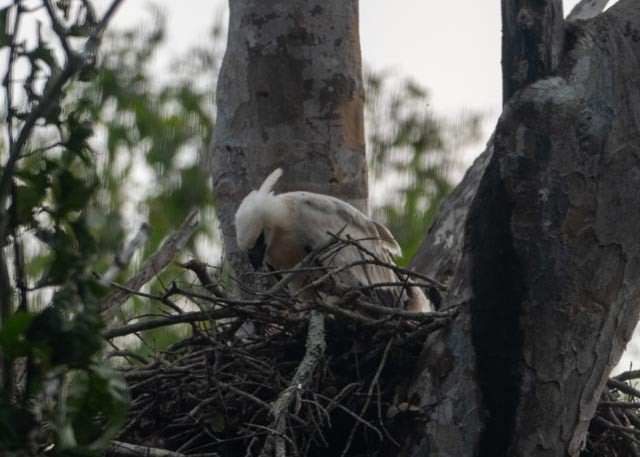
615, 430
313, 378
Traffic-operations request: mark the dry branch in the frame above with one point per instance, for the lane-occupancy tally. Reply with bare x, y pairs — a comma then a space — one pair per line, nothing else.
154, 265
315, 348
303, 384
185, 318
123, 257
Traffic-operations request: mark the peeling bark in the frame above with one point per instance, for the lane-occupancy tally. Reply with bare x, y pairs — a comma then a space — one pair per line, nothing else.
290, 95
548, 278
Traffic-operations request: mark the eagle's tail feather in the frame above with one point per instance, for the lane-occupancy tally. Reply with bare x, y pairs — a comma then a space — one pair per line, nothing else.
270, 181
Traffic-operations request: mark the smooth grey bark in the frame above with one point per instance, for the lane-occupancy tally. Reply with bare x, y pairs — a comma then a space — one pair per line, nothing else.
290, 95
533, 40
548, 277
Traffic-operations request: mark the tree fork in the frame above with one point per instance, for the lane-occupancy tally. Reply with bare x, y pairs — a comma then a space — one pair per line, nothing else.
533, 42
555, 213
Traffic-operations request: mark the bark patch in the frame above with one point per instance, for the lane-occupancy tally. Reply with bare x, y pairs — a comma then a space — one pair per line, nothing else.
351, 114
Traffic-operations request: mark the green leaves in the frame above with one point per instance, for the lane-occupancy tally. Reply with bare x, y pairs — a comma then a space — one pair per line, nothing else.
71, 193
16, 423
94, 408
13, 342
54, 217
414, 147
26, 198
71, 343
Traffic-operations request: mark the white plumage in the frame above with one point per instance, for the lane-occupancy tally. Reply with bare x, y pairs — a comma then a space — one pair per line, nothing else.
282, 229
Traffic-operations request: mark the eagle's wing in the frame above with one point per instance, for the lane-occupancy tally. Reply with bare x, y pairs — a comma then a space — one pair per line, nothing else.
318, 216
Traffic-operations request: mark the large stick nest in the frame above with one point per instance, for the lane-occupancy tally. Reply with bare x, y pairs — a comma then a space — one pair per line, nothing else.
315, 377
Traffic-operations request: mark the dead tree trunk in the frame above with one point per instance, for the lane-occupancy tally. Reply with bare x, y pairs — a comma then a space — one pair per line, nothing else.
290, 95
547, 274
533, 34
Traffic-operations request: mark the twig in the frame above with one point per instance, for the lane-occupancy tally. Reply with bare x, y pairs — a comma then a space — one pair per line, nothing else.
619, 428
284, 282
628, 375
619, 404
18, 256
5, 282
399, 312
53, 92
333, 404
623, 387
376, 261
121, 449
59, 29
200, 270
196, 316
126, 354
374, 382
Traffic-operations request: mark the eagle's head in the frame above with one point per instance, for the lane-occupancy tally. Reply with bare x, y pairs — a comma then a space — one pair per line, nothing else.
253, 217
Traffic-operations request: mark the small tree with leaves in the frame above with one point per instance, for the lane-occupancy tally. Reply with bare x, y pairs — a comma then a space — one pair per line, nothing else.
49, 311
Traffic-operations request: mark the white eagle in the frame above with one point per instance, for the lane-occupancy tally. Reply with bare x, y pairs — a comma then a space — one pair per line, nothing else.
281, 230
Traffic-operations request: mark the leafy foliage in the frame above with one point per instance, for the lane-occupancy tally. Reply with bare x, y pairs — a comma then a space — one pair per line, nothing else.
50, 340
412, 155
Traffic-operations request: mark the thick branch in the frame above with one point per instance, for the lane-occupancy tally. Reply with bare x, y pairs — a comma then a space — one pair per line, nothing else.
532, 42
315, 349
289, 95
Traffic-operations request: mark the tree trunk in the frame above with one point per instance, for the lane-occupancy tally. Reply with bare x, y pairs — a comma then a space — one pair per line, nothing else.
548, 275
290, 95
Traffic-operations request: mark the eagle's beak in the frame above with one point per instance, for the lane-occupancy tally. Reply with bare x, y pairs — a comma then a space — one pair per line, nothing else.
256, 253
